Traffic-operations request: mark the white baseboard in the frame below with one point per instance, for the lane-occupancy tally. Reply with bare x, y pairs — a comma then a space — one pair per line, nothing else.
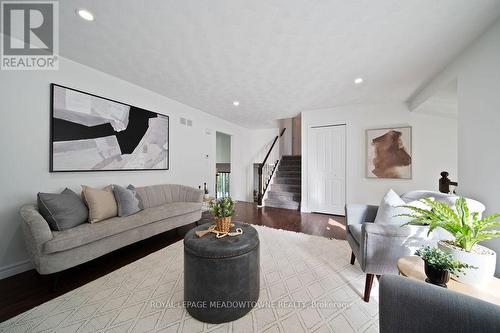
16, 268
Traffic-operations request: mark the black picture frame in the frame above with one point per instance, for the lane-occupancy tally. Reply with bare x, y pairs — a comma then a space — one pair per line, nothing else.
51, 139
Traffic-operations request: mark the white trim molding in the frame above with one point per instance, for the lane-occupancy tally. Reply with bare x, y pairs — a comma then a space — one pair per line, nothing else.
15, 268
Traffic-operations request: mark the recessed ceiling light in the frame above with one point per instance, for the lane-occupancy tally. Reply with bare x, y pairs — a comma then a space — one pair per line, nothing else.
85, 14
358, 80
236, 103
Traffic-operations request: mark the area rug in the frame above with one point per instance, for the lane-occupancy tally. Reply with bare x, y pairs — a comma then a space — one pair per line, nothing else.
307, 285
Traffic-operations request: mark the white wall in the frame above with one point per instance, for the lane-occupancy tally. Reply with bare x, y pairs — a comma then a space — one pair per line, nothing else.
477, 71
479, 120
286, 140
434, 148
223, 148
297, 135
24, 135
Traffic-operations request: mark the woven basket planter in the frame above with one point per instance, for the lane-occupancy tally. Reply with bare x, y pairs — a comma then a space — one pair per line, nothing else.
223, 224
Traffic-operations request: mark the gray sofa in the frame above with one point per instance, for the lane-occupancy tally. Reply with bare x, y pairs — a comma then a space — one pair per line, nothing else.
411, 306
166, 207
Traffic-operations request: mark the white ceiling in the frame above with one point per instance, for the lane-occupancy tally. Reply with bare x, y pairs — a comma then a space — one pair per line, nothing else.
443, 103
277, 57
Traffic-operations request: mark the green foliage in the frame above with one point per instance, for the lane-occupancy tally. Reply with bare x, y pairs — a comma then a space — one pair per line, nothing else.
222, 207
441, 260
467, 228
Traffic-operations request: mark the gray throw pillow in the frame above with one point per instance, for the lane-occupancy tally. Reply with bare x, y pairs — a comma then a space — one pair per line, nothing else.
62, 211
127, 199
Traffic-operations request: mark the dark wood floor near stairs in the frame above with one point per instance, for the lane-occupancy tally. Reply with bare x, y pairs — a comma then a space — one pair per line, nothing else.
24, 291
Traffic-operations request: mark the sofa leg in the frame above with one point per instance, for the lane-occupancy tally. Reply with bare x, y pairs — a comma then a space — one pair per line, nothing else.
368, 287
353, 257
55, 281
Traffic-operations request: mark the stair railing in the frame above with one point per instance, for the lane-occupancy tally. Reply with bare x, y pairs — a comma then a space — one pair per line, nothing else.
266, 171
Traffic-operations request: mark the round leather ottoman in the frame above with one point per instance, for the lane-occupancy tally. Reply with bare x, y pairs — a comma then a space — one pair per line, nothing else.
221, 276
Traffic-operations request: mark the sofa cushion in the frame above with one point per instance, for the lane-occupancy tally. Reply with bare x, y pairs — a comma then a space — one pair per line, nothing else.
88, 233
101, 203
62, 211
127, 200
355, 230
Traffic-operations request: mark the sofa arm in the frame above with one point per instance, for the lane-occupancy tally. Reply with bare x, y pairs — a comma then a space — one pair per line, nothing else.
192, 194
36, 231
360, 213
407, 305
382, 245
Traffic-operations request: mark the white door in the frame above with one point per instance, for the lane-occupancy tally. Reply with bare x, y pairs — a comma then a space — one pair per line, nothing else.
326, 174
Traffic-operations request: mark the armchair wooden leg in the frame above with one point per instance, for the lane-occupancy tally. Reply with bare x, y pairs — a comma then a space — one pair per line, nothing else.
368, 287
353, 257
55, 281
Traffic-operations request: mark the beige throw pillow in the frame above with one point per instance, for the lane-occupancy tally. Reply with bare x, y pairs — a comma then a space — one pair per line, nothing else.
101, 203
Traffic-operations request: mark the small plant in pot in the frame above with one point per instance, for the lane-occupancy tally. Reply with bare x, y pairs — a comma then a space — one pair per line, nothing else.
223, 210
438, 265
468, 229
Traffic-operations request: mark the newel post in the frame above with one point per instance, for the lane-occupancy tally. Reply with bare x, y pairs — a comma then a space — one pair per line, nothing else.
260, 195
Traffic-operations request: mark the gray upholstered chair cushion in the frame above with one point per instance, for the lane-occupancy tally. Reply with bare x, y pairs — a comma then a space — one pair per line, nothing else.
127, 199
88, 233
355, 230
62, 210
411, 306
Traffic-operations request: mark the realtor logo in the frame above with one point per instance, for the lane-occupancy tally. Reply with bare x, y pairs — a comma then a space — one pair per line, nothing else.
30, 39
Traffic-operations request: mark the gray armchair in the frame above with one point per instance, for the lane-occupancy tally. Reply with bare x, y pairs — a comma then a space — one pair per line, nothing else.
378, 246
411, 306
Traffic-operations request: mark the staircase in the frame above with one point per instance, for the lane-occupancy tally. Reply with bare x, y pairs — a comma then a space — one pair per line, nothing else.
285, 187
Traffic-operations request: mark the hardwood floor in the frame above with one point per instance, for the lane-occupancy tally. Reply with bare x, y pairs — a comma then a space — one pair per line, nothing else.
24, 291
330, 226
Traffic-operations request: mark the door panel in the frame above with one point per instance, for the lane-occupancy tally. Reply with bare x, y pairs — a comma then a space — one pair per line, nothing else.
327, 169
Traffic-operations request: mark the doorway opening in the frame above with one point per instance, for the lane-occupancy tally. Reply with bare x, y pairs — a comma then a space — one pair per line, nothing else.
222, 165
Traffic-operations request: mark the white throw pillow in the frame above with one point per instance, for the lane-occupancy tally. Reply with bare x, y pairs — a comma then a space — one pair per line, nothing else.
389, 209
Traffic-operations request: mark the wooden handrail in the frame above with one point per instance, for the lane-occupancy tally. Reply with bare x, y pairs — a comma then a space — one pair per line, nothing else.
261, 166
283, 131
270, 149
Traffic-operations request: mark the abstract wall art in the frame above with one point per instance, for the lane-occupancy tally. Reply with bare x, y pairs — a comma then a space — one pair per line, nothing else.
389, 153
92, 133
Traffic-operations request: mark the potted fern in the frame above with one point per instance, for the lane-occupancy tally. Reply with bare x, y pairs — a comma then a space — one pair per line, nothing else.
438, 265
223, 210
468, 229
